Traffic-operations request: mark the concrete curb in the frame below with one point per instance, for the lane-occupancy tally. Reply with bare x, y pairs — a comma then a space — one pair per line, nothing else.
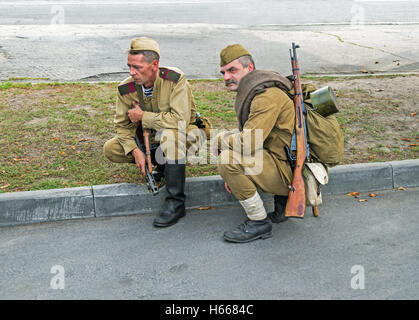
18, 208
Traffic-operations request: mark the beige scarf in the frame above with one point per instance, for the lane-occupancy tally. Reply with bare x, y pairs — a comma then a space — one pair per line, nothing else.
254, 83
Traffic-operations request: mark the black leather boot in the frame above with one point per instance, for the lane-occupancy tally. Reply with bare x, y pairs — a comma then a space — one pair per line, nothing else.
250, 230
174, 206
279, 214
158, 174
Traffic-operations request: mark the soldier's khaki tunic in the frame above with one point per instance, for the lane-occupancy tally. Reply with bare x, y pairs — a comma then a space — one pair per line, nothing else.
171, 105
273, 112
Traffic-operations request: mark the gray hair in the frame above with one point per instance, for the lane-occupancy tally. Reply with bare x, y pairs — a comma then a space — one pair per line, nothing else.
149, 56
245, 60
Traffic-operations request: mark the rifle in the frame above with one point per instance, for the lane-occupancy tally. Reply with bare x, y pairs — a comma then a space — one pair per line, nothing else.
151, 182
296, 202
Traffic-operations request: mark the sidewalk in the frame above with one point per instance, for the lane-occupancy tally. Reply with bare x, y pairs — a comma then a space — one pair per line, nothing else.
128, 199
353, 250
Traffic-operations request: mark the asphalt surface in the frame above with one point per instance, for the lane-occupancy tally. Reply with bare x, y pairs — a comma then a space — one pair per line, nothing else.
239, 12
87, 40
353, 250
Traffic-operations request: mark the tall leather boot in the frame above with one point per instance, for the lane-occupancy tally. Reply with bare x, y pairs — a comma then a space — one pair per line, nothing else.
278, 215
158, 174
174, 206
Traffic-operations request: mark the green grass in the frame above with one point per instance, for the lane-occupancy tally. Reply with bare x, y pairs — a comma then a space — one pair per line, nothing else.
52, 134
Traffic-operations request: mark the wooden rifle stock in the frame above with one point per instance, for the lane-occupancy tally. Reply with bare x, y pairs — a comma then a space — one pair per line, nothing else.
296, 202
144, 135
147, 150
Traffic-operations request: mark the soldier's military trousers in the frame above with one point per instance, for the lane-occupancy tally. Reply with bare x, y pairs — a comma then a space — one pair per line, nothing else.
173, 146
244, 177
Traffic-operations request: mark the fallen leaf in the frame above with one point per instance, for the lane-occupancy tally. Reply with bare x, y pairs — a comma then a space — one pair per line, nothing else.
413, 114
73, 147
5, 186
83, 139
372, 195
405, 139
353, 194
206, 208
363, 200
45, 174
402, 189
414, 145
379, 90
62, 153
364, 71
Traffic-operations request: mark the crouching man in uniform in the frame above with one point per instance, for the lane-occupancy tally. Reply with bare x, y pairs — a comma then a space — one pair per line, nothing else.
266, 124
161, 101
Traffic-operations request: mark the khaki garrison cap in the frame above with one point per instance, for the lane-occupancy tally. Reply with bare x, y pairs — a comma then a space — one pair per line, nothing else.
231, 53
144, 43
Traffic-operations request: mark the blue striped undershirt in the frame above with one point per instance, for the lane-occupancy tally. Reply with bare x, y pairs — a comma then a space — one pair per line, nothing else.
148, 92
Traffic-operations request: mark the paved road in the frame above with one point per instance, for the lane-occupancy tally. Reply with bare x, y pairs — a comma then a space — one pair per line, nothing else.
370, 245
239, 12
71, 40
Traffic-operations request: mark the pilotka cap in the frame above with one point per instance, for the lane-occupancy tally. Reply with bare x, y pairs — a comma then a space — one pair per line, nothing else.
231, 53
144, 43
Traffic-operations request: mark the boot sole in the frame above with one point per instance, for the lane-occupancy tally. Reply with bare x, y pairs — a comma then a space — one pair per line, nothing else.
162, 225
261, 236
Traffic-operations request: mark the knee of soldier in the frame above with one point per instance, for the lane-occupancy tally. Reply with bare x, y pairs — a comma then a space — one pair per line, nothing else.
109, 149
173, 144
226, 165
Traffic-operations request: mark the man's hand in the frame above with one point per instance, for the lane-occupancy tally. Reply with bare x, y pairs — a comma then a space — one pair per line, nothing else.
227, 187
136, 113
139, 157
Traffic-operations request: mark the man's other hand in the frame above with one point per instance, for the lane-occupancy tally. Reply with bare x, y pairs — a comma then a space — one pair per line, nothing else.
139, 157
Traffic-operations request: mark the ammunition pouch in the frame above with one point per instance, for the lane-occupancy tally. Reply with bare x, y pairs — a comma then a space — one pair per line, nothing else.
203, 123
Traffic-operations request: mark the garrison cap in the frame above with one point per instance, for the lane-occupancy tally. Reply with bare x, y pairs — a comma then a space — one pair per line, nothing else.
144, 43
231, 53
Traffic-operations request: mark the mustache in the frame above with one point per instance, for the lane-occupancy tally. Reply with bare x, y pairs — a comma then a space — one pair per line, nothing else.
227, 82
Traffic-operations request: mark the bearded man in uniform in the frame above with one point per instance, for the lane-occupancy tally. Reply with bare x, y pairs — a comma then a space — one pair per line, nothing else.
270, 112
160, 100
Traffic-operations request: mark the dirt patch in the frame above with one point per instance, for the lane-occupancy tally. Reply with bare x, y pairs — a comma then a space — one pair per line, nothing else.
36, 121
378, 116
